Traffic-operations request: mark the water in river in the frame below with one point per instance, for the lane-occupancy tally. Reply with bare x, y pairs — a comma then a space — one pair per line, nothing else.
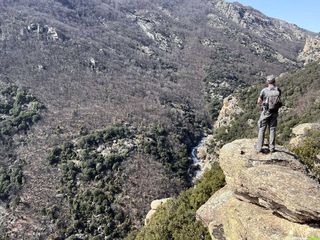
198, 162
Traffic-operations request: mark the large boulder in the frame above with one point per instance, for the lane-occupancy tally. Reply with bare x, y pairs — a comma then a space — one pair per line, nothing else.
154, 206
267, 196
157, 203
301, 131
229, 218
291, 194
277, 181
208, 212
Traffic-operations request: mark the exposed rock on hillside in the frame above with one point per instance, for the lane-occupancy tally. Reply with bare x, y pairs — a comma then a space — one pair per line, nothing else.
152, 28
45, 31
268, 29
268, 196
301, 131
254, 20
229, 109
311, 50
154, 206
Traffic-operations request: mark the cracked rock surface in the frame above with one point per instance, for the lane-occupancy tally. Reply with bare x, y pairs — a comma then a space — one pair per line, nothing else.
267, 196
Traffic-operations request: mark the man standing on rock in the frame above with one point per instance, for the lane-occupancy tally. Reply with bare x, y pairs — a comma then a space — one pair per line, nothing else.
270, 102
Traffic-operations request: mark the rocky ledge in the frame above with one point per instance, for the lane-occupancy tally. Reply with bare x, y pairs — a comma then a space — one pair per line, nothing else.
267, 196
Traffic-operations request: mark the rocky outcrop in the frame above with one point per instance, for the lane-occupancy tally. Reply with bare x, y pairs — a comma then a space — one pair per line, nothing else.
150, 24
267, 196
228, 111
231, 218
311, 50
48, 32
300, 132
154, 206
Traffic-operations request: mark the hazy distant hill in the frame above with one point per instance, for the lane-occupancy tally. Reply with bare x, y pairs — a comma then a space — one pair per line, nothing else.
157, 68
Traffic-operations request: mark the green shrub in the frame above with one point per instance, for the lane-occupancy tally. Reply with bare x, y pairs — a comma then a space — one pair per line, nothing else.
11, 181
313, 238
85, 170
91, 187
308, 151
21, 108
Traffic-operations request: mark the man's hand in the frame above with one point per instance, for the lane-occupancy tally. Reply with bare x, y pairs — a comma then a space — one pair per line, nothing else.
259, 101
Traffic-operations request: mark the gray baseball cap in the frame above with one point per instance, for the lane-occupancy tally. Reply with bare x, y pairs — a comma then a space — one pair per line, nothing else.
271, 79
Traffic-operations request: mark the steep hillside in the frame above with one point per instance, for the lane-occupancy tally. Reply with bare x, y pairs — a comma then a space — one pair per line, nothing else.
157, 69
137, 56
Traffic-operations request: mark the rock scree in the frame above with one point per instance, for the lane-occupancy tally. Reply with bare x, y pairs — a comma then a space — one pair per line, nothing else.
267, 196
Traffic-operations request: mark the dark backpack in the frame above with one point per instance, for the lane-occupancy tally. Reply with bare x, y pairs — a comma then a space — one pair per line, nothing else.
273, 100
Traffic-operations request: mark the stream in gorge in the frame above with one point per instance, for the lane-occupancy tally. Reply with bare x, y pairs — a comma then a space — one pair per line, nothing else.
199, 163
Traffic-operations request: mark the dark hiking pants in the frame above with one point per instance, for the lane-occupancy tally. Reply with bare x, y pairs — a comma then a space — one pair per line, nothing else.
267, 119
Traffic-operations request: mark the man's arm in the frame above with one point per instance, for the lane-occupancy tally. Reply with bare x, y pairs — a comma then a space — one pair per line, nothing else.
260, 98
279, 93
280, 100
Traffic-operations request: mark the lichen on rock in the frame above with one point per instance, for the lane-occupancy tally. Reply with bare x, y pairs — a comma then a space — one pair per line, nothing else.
267, 196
